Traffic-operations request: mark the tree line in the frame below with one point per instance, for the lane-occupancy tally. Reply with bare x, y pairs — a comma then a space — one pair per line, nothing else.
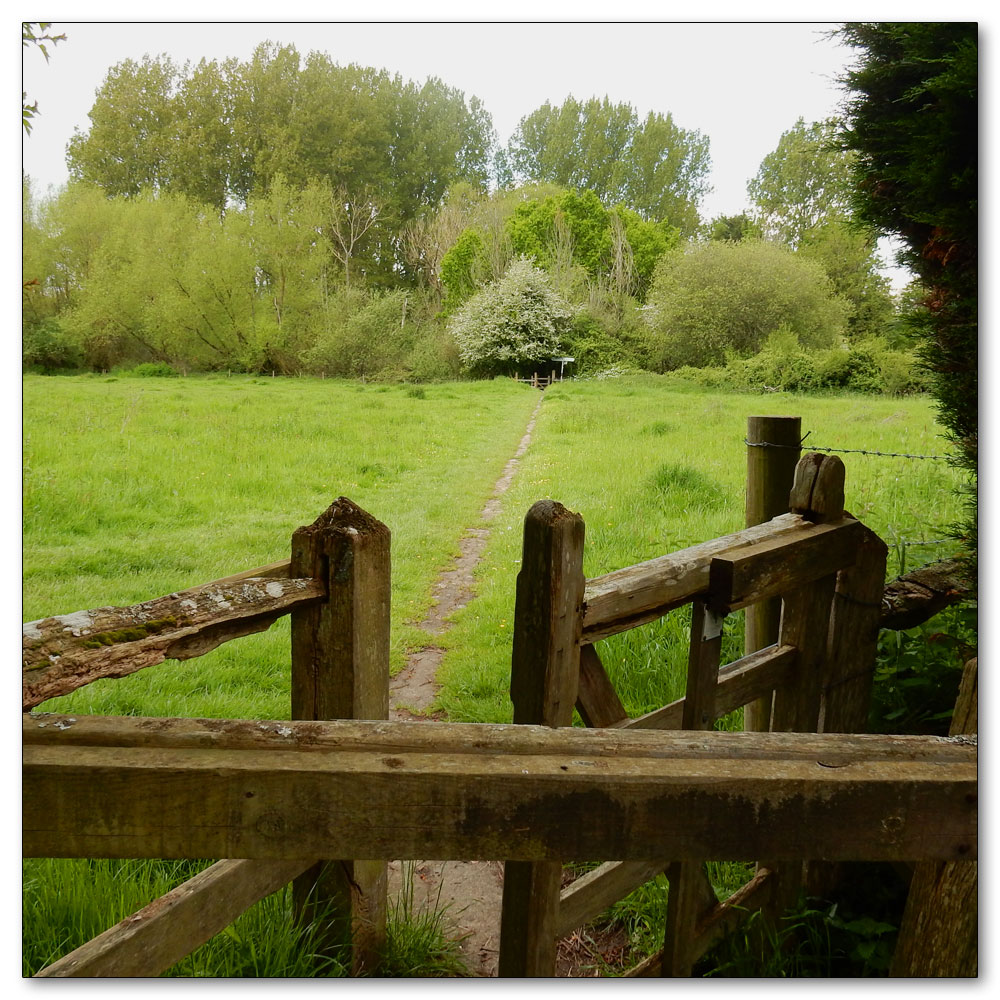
293, 215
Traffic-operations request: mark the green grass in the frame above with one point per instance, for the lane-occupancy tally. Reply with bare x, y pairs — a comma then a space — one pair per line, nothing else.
652, 471
263, 942
134, 488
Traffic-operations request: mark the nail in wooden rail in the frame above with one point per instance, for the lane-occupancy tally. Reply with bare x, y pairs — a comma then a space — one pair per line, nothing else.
545, 664
340, 670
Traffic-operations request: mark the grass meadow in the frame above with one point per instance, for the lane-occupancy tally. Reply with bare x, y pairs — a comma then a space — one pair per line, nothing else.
653, 470
134, 488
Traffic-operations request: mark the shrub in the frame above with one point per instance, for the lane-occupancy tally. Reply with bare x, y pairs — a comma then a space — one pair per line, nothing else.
725, 299
154, 369
46, 346
518, 320
593, 346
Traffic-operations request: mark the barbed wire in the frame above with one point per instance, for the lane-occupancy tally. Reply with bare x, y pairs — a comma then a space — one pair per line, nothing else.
844, 451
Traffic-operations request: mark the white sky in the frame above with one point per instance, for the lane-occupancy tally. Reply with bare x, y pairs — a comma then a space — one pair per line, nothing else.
739, 84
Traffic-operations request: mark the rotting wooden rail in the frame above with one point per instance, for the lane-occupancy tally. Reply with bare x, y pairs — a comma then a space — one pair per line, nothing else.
280, 795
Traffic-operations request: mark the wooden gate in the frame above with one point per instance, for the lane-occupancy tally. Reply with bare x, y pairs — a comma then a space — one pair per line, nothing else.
828, 570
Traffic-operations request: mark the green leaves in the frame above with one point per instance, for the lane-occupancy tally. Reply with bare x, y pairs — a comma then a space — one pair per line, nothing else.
803, 184
724, 298
653, 167
517, 320
223, 133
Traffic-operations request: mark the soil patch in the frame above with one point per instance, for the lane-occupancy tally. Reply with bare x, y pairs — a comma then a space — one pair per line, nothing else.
470, 892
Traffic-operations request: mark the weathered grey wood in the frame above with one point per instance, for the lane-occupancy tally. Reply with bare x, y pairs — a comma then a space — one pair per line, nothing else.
65, 652
818, 488
340, 670
159, 935
771, 568
545, 658
690, 892
275, 571
770, 474
703, 667
912, 599
939, 932
465, 741
818, 495
628, 795
597, 700
544, 682
805, 622
739, 682
625, 598
528, 918
686, 905
722, 917
853, 638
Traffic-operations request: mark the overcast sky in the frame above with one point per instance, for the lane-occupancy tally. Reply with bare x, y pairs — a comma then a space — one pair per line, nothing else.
740, 84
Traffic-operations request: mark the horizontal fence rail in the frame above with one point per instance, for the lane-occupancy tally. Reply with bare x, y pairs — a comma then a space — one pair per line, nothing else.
659, 793
621, 600
65, 652
163, 788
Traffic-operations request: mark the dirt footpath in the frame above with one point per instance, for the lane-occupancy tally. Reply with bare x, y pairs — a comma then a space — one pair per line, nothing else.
470, 892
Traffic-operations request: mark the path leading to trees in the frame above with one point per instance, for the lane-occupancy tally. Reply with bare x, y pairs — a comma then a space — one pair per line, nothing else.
469, 891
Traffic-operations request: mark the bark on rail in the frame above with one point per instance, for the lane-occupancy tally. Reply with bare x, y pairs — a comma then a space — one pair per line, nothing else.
63, 653
912, 599
171, 789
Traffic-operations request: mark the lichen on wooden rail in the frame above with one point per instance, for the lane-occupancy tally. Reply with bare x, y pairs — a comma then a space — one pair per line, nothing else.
65, 652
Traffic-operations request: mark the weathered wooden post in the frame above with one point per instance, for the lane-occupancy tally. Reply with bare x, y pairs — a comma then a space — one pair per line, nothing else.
340, 670
545, 667
818, 495
691, 894
939, 932
770, 473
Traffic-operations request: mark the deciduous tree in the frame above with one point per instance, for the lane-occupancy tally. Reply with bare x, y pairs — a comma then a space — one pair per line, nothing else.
518, 320
653, 167
803, 184
717, 299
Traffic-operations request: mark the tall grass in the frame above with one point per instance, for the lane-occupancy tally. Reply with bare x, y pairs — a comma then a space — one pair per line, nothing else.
654, 470
135, 488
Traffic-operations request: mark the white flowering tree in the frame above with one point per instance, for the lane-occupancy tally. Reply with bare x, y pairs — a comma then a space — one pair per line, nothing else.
518, 320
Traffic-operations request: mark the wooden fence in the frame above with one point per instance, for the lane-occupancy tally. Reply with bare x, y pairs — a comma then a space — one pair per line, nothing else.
280, 796
540, 381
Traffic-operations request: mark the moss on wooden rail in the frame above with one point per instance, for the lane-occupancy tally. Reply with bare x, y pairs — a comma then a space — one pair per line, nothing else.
65, 652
